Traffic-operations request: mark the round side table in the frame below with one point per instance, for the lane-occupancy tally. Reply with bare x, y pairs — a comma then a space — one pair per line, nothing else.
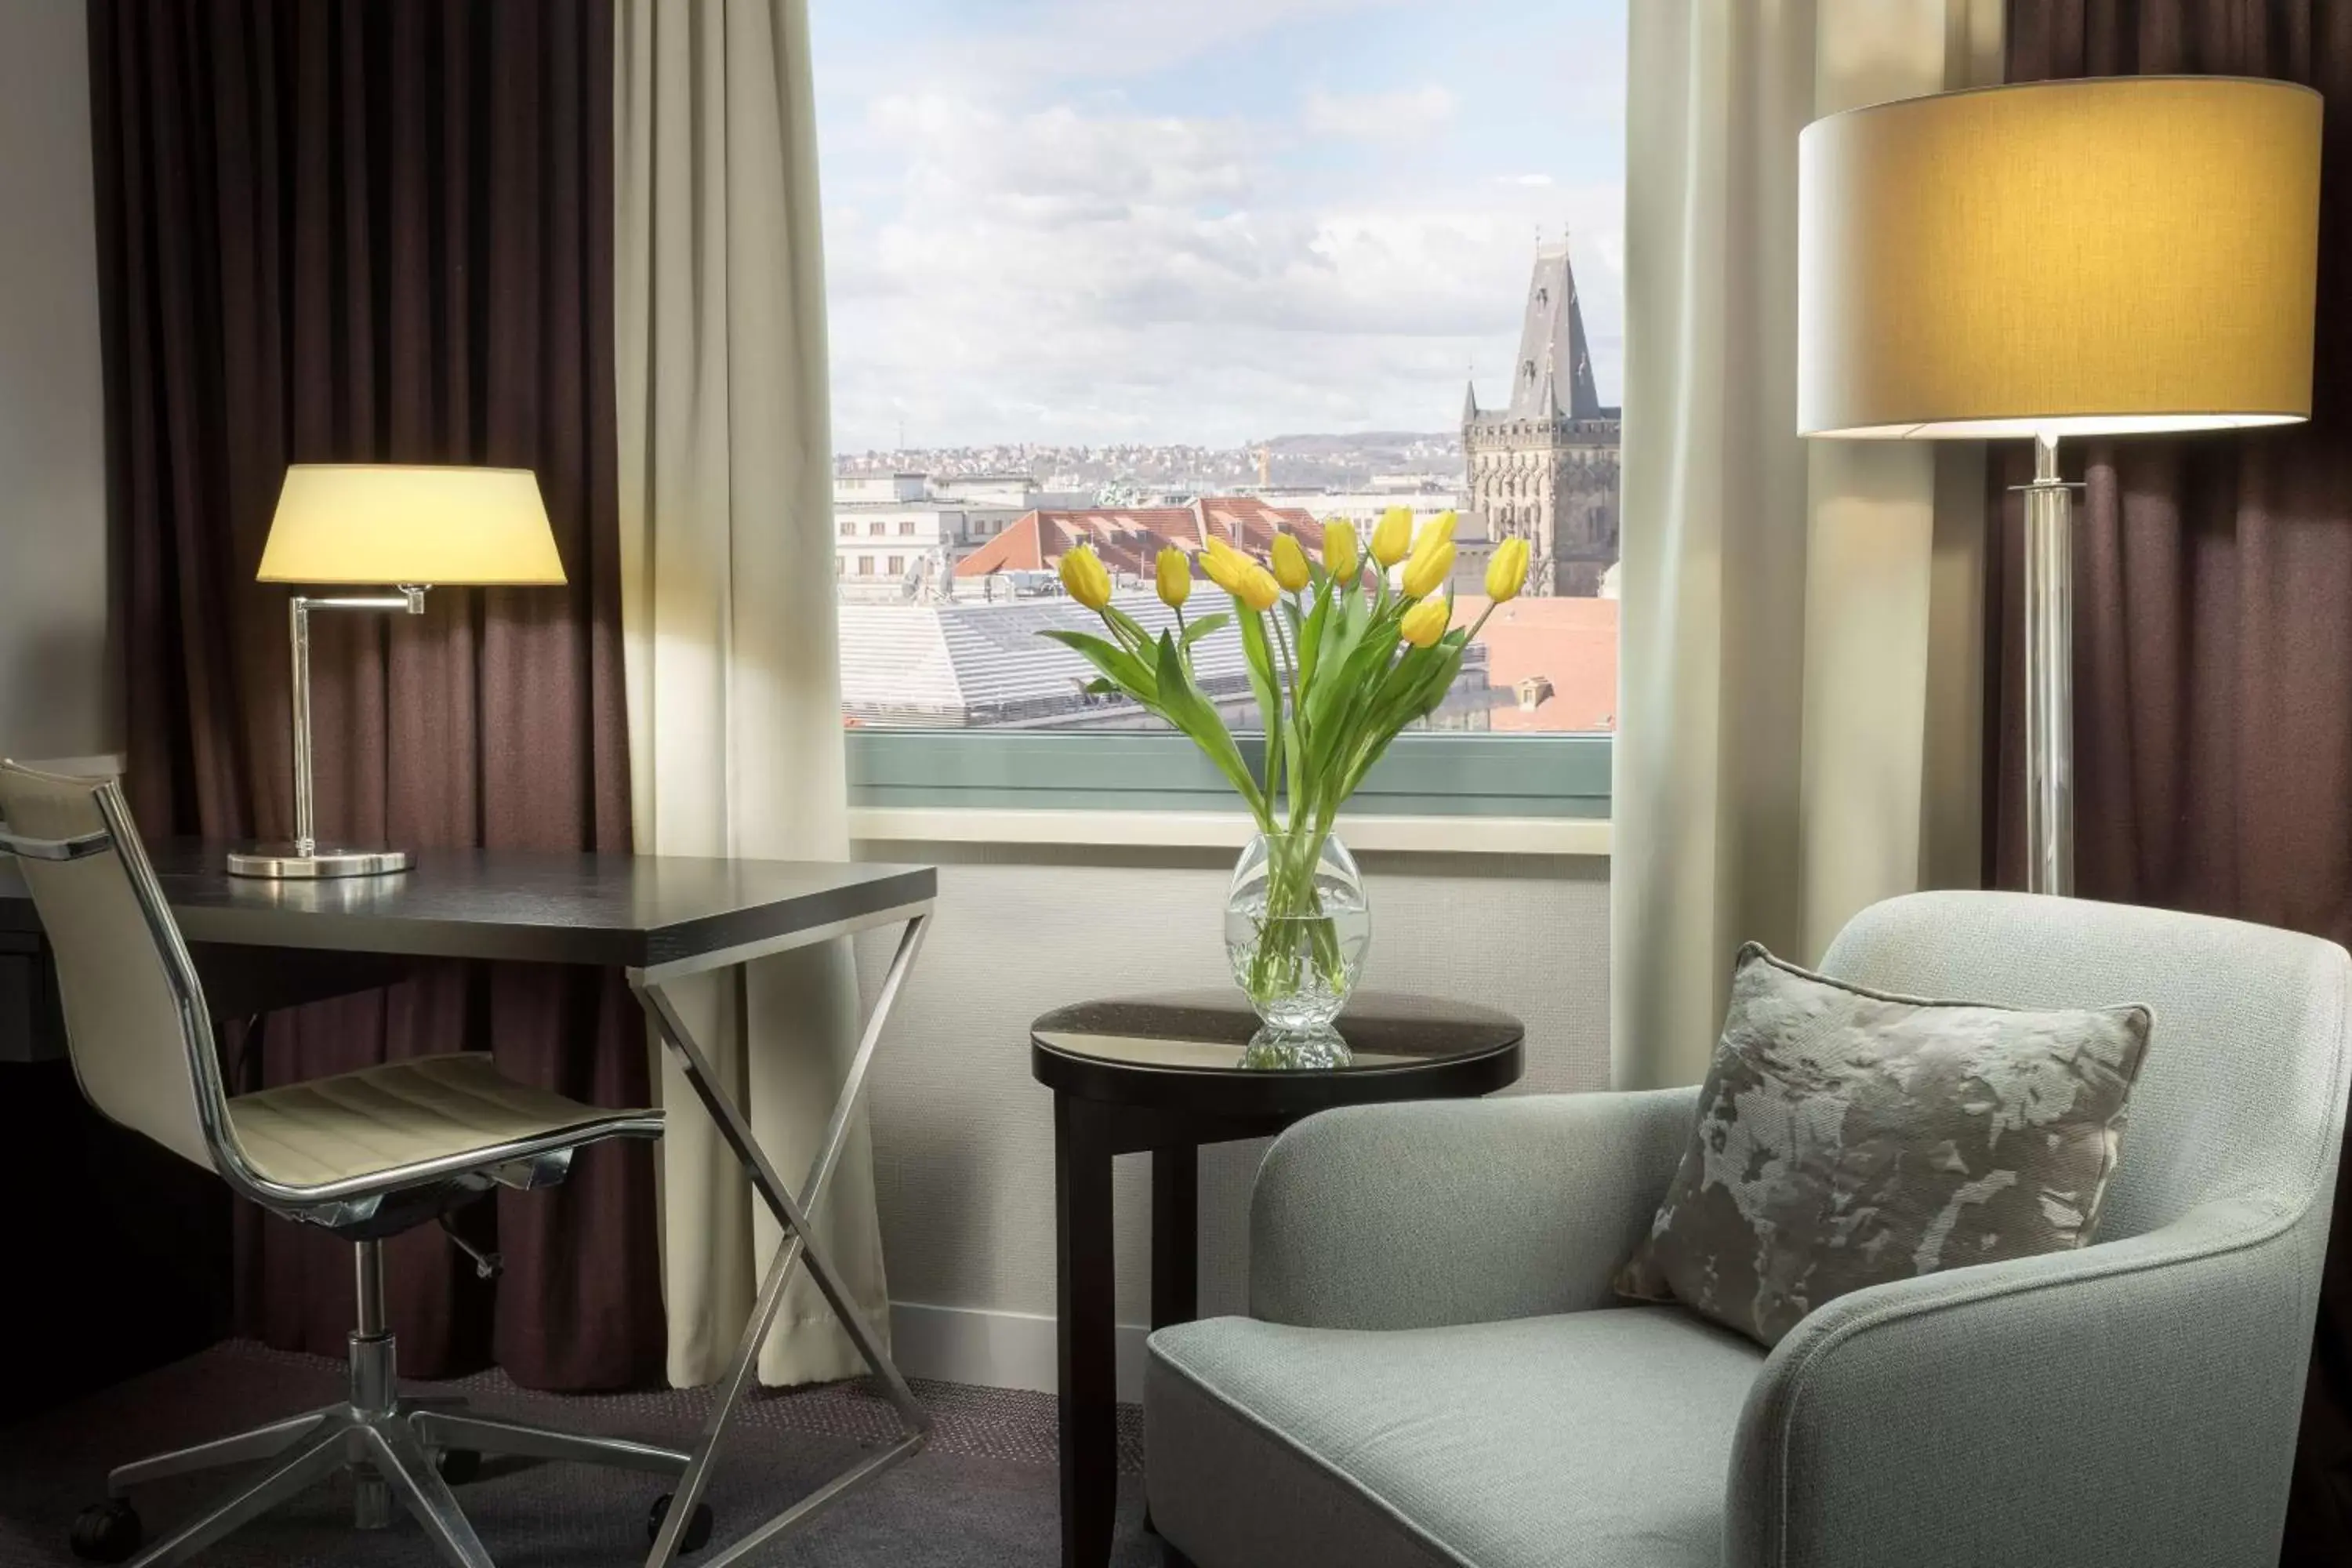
1165, 1073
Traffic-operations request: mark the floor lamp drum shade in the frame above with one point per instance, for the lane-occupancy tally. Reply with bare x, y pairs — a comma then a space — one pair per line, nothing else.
2105, 256
385, 523
2113, 256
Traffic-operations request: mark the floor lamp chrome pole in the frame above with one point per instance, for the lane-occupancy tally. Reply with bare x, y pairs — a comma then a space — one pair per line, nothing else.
2049, 676
2115, 256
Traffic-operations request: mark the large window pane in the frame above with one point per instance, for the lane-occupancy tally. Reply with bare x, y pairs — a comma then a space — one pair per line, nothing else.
1137, 274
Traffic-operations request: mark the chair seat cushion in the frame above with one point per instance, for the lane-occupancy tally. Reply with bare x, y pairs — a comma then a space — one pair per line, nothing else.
1599, 1438
385, 1118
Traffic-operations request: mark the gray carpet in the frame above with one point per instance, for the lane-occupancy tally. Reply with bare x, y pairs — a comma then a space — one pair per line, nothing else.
983, 1492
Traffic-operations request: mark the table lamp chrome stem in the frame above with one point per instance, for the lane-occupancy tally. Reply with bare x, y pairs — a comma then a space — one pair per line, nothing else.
303, 858
2049, 675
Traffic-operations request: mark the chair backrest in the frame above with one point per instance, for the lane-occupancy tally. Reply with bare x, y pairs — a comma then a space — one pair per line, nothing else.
2242, 1094
136, 1020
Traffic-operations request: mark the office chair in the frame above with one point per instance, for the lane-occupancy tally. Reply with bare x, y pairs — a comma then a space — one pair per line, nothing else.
365, 1154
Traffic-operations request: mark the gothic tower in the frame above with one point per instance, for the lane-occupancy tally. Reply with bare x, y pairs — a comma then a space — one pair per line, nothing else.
1545, 467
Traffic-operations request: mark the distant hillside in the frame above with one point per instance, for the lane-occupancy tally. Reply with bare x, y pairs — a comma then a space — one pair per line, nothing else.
1343, 460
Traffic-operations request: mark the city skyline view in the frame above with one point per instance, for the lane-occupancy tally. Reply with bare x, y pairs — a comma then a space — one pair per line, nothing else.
1060, 223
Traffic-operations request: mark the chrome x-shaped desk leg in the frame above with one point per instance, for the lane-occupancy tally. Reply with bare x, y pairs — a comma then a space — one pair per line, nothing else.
799, 1241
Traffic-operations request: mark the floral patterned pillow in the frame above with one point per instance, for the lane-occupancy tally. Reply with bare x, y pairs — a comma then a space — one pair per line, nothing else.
1847, 1137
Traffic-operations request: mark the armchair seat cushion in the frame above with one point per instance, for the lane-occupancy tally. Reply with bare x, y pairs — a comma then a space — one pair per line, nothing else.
1599, 1437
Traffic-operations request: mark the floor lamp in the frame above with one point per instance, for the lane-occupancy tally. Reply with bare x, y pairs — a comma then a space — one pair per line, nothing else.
2115, 256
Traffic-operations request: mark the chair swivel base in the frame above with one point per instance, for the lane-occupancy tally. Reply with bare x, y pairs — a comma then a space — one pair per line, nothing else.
410, 1449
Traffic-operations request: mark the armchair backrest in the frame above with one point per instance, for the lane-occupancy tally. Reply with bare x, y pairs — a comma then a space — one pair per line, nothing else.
136, 1025
2243, 1092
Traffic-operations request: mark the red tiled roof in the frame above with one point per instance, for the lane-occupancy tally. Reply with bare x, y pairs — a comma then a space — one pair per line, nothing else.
1569, 643
1130, 538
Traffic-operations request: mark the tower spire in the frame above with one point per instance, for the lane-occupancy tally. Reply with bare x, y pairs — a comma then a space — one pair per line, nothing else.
1552, 347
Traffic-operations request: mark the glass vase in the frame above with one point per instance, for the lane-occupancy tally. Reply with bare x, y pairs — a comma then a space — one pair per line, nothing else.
1296, 925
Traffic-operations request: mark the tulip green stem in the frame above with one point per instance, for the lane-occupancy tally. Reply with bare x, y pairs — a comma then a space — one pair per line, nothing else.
1281, 963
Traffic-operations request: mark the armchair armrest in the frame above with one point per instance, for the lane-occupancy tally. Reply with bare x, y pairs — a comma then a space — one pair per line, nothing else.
2132, 1403
1394, 1217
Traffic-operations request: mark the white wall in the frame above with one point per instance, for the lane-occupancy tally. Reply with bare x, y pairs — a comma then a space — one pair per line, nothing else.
963, 1135
54, 670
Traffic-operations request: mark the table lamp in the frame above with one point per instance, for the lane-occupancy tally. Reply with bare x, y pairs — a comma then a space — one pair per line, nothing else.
2115, 256
384, 523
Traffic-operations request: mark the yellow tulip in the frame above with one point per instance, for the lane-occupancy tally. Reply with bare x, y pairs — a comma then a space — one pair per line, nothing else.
1224, 564
1290, 568
1440, 529
1393, 536
1339, 552
1257, 588
1428, 569
1425, 623
1506, 572
1082, 576
1174, 577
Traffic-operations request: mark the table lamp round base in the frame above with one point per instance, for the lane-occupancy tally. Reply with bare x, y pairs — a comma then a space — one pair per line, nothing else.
280, 861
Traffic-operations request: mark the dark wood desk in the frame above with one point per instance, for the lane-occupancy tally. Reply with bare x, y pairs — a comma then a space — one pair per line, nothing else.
618, 910
658, 919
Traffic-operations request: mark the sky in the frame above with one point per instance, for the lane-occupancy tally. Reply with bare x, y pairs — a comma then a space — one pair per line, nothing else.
1205, 221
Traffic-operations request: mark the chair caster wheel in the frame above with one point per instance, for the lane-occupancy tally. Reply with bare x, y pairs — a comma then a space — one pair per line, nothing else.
459, 1466
108, 1531
697, 1534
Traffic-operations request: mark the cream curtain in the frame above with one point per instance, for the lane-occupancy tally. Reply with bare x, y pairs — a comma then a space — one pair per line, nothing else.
728, 620
1797, 700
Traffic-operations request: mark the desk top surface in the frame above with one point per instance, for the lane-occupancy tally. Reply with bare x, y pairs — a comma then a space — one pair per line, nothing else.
620, 911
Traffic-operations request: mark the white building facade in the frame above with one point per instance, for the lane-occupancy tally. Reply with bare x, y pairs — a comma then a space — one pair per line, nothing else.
897, 537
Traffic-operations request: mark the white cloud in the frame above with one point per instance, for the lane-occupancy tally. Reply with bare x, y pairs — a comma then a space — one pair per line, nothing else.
1096, 38
1399, 116
1076, 271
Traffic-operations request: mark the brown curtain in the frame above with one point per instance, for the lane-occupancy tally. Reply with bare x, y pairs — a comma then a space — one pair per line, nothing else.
2213, 633
381, 230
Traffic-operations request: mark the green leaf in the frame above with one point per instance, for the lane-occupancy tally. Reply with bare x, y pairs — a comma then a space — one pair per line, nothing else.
1132, 674
1195, 630
1183, 706
1267, 689
1128, 627
1310, 643
1342, 639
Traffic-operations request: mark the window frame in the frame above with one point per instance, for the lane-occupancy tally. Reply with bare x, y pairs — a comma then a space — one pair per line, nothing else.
1452, 773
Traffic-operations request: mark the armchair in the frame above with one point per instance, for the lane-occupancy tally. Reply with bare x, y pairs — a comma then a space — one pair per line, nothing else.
1434, 1371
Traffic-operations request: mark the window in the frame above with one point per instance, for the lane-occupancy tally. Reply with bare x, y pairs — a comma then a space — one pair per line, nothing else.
1211, 261
874, 530
849, 529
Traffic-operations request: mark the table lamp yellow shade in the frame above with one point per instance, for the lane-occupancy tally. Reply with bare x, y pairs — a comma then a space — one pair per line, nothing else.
391, 523
2108, 255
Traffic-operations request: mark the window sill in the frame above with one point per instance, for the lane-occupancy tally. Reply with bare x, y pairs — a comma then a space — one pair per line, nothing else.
1520, 836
